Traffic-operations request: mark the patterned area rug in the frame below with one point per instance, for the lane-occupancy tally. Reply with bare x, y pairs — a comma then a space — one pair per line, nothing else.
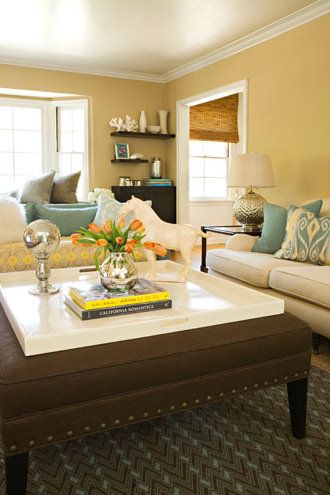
232, 447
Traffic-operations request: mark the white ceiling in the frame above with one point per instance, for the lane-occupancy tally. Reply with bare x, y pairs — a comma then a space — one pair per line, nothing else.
143, 36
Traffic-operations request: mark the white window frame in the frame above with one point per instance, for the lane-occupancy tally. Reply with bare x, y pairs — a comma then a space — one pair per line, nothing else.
182, 141
49, 132
203, 199
54, 152
44, 107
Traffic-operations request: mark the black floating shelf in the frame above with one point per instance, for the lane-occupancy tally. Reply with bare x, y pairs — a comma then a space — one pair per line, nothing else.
150, 135
127, 160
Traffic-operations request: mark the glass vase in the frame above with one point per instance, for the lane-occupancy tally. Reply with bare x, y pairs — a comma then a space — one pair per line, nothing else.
118, 272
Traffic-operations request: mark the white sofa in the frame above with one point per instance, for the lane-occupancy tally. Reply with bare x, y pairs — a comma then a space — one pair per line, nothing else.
305, 288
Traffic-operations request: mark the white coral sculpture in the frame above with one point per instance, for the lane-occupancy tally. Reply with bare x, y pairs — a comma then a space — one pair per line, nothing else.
118, 123
130, 124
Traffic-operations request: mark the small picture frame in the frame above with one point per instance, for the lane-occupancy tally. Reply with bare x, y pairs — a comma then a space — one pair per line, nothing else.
121, 151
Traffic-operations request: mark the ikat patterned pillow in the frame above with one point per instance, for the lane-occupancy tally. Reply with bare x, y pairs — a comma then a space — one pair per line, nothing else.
307, 238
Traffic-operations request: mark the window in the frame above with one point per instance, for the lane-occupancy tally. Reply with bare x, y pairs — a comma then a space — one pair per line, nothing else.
39, 136
208, 169
72, 142
21, 146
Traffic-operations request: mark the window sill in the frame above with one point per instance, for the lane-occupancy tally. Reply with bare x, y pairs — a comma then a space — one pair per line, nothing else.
211, 200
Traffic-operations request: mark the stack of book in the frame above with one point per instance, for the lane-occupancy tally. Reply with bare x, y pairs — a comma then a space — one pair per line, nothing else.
157, 182
91, 301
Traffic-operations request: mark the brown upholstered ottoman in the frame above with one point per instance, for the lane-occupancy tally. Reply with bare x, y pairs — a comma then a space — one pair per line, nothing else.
54, 397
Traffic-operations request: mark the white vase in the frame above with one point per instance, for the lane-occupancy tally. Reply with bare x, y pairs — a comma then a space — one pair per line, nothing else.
163, 121
143, 121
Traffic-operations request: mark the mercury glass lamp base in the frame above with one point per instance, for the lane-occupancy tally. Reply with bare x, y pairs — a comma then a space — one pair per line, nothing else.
248, 210
40, 290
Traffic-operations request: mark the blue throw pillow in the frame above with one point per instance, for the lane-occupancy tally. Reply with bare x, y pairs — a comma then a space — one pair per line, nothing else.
68, 220
109, 209
273, 229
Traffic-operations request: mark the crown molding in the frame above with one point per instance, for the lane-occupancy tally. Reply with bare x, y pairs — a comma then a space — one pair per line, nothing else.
94, 71
298, 18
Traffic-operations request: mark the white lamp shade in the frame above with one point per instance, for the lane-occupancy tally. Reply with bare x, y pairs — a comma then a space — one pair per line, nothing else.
250, 170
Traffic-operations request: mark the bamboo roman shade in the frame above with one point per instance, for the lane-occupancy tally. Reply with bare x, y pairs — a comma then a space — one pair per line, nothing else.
215, 120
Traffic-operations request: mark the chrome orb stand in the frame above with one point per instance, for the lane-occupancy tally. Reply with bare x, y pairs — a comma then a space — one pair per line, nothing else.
249, 211
42, 238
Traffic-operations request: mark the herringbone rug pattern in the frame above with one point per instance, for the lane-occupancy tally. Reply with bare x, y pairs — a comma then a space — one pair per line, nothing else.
241, 446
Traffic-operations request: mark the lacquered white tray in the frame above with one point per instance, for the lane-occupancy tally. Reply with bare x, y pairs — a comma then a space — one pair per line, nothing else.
46, 324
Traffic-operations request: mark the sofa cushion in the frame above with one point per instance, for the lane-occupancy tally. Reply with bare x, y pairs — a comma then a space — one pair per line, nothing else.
38, 189
12, 220
253, 268
15, 256
307, 237
64, 188
308, 282
273, 229
68, 220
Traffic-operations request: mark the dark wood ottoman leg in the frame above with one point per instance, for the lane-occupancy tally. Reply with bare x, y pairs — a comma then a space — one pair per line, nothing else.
316, 343
297, 395
16, 472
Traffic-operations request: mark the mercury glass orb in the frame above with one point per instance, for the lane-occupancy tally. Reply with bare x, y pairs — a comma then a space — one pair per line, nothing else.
42, 238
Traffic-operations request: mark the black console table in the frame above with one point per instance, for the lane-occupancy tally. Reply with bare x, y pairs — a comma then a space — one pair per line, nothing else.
163, 198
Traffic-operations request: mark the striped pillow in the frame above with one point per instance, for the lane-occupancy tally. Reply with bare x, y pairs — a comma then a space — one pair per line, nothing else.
307, 238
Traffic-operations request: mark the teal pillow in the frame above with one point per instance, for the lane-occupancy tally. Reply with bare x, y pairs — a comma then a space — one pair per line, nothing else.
30, 212
273, 229
307, 238
71, 205
68, 220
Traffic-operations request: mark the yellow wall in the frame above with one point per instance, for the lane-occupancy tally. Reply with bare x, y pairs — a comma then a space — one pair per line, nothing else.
288, 106
288, 110
108, 97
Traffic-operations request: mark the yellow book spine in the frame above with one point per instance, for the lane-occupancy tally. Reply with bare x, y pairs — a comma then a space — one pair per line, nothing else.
119, 301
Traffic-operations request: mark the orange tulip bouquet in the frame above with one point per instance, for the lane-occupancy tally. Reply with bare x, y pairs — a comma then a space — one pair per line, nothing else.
114, 237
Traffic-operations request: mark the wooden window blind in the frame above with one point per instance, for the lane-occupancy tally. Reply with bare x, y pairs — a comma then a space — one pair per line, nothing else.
215, 120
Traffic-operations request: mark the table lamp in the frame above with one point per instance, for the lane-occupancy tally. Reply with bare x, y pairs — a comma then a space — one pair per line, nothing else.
250, 170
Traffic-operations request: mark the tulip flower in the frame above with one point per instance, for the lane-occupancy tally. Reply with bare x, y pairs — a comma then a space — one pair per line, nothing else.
101, 242
136, 224
149, 245
119, 240
160, 250
106, 229
128, 247
121, 222
93, 227
76, 241
132, 242
75, 236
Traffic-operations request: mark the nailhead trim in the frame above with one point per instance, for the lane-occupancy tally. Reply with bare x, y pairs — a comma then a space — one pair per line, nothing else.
50, 438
